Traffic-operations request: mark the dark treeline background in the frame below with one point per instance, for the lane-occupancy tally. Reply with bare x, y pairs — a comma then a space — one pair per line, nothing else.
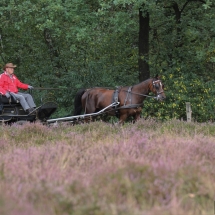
73, 44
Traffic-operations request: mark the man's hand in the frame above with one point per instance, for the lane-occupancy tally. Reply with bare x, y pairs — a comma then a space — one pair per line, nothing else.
7, 95
30, 87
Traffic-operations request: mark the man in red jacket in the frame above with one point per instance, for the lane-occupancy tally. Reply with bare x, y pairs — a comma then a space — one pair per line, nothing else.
9, 85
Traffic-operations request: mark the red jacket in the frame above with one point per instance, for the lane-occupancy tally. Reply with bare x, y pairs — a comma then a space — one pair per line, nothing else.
10, 84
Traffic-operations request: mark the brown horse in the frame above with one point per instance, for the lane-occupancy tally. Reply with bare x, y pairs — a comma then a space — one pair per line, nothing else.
130, 99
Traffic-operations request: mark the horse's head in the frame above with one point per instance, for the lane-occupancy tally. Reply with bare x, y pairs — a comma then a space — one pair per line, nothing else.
158, 88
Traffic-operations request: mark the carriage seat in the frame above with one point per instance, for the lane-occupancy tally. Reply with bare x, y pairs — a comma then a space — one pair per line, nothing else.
5, 100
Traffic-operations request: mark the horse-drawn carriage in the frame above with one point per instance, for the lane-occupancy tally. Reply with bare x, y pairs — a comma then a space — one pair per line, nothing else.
122, 102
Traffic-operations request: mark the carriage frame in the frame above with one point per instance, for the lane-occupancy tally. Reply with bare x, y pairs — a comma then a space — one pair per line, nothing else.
11, 111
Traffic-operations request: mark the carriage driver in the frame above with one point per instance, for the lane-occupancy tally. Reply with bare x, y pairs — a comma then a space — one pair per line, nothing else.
9, 85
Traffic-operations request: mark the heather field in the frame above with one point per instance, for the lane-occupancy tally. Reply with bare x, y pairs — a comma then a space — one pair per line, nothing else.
147, 168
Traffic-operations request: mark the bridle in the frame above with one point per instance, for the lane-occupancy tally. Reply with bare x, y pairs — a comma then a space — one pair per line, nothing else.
157, 85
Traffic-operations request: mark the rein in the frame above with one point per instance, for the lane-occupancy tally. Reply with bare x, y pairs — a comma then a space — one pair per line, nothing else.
124, 107
140, 94
155, 97
48, 88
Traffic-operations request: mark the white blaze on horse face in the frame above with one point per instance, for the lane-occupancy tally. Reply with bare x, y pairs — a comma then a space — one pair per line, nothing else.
159, 89
160, 94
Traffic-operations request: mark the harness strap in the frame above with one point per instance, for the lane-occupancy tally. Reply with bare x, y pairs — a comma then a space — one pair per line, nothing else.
116, 95
116, 99
130, 106
129, 93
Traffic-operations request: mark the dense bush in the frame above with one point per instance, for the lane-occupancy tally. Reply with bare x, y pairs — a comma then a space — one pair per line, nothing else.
180, 89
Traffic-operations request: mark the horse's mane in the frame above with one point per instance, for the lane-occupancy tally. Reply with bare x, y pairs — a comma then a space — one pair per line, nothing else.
145, 81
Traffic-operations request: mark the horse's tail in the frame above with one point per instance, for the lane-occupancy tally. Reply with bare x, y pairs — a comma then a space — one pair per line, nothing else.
78, 103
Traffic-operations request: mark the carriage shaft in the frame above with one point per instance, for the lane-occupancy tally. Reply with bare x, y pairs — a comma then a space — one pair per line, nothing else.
83, 115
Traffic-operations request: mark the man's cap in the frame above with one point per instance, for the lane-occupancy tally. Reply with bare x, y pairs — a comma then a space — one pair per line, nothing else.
9, 65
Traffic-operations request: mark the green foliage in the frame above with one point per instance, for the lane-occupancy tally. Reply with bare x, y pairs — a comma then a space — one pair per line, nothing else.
186, 88
80, 44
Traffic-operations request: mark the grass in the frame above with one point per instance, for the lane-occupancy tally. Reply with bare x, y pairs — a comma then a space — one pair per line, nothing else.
150, 167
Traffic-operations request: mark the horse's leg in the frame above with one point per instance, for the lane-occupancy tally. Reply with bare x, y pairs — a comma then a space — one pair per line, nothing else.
136, 117
137, 114
90, 109
122, 118
130, 112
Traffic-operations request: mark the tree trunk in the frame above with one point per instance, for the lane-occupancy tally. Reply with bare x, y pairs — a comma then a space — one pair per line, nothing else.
144, 72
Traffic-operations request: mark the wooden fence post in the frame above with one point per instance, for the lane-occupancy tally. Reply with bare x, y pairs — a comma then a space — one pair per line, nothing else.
188, 111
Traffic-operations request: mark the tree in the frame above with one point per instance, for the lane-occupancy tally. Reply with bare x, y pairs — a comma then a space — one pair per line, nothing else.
143, 45
74, 44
